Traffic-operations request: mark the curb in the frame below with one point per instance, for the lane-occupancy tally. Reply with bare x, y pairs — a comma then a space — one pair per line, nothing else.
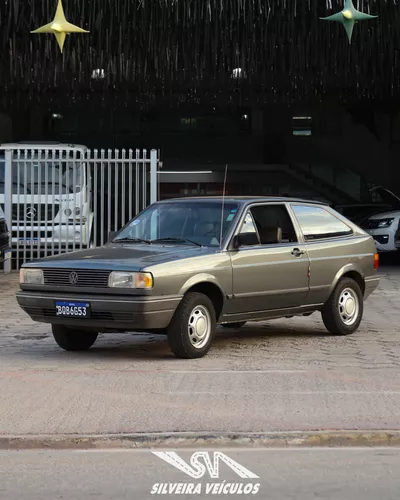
203, 440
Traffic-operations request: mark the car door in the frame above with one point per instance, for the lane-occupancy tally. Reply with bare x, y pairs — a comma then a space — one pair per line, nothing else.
269, 275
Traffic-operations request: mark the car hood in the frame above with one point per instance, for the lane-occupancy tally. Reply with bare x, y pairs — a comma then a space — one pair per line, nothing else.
129, 257
386, 215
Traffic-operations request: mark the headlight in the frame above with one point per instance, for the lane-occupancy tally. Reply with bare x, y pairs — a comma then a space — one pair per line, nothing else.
31, 276
121, 279
76, 211
385, 222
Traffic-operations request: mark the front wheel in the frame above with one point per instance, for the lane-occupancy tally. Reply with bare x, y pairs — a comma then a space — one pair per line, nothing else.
342, 313
192, 328
73, 340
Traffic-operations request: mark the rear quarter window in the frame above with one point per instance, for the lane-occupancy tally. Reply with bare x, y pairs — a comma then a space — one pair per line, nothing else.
317, 223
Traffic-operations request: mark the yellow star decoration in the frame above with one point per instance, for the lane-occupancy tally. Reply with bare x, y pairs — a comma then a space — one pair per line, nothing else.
60, 27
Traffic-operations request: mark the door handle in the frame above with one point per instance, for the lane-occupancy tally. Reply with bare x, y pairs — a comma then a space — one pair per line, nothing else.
297, 252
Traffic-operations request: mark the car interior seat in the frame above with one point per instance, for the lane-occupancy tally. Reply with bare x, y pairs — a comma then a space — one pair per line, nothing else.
270, 235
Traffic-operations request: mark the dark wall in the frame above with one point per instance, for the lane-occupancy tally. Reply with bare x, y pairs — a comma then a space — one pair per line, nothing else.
360, 137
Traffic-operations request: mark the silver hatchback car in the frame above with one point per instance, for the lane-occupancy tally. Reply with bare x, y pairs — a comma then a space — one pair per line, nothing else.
183, 266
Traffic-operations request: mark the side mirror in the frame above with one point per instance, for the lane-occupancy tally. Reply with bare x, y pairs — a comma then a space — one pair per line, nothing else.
112, 235
245, 239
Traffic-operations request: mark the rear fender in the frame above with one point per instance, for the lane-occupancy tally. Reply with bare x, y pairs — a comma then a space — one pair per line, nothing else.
344, 270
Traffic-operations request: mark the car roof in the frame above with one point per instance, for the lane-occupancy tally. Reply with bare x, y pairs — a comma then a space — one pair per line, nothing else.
244, 199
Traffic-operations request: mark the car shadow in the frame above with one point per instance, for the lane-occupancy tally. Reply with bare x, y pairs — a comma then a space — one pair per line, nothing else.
145, 347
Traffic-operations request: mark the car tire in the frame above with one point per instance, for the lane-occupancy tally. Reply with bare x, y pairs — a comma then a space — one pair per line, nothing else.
343, 311
192, 328
73, 340
234, 326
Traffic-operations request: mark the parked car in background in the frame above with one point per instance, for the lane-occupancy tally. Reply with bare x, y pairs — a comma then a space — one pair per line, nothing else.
360, 212
384, 226
381, 200
50, 195
182, 266
5, 252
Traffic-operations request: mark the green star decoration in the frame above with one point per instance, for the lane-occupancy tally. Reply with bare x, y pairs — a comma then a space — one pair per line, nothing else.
349, 16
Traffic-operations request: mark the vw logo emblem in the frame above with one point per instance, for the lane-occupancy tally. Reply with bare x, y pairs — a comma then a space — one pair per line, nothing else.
30, 213
73, 278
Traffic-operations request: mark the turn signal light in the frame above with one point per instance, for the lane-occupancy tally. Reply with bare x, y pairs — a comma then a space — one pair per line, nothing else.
376, 261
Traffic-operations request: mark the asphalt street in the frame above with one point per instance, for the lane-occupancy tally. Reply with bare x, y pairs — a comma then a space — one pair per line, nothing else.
334, 474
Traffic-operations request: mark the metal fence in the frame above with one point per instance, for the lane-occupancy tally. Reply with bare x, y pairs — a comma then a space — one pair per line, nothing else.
68, 198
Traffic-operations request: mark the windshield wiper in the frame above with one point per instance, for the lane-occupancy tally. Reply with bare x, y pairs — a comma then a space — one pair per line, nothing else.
127, 238
184, 240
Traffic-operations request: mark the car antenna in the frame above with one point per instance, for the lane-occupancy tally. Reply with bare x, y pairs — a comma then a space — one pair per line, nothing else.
223, 206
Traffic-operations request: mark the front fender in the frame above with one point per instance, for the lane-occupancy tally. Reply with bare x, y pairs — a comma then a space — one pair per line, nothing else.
198, 279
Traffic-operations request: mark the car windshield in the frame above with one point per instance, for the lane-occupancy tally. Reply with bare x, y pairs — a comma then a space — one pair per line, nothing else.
42, 177
184, 222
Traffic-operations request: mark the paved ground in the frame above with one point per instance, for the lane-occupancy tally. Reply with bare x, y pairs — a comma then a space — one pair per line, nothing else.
282, 375
334, 474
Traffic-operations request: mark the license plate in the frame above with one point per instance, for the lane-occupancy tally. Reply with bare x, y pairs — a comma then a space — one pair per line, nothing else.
30, 242
73, 309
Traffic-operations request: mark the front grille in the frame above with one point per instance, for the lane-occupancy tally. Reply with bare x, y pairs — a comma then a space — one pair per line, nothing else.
92, 278
32, 213
99, 315
31, 235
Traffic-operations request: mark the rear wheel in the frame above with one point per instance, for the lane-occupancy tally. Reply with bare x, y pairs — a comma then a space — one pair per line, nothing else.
342, 313
234, 326
192, 328
73, 340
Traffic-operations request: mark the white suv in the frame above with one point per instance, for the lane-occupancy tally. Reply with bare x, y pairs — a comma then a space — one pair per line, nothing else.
383, 228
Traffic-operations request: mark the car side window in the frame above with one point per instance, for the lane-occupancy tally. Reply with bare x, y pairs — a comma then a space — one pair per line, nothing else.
271, 224
317, 223
274, 224
248, 225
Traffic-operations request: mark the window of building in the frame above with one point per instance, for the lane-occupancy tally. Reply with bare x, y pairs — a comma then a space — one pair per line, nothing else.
302, 125
317, 223
188, 123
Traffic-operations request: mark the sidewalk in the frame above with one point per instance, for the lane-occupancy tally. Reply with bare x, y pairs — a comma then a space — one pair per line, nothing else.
285, 375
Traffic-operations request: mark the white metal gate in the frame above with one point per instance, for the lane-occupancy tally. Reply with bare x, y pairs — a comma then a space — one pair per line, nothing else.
65, 198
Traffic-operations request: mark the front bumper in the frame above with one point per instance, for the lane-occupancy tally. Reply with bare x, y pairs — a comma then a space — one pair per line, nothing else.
50, 235
133, 313
384, 239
